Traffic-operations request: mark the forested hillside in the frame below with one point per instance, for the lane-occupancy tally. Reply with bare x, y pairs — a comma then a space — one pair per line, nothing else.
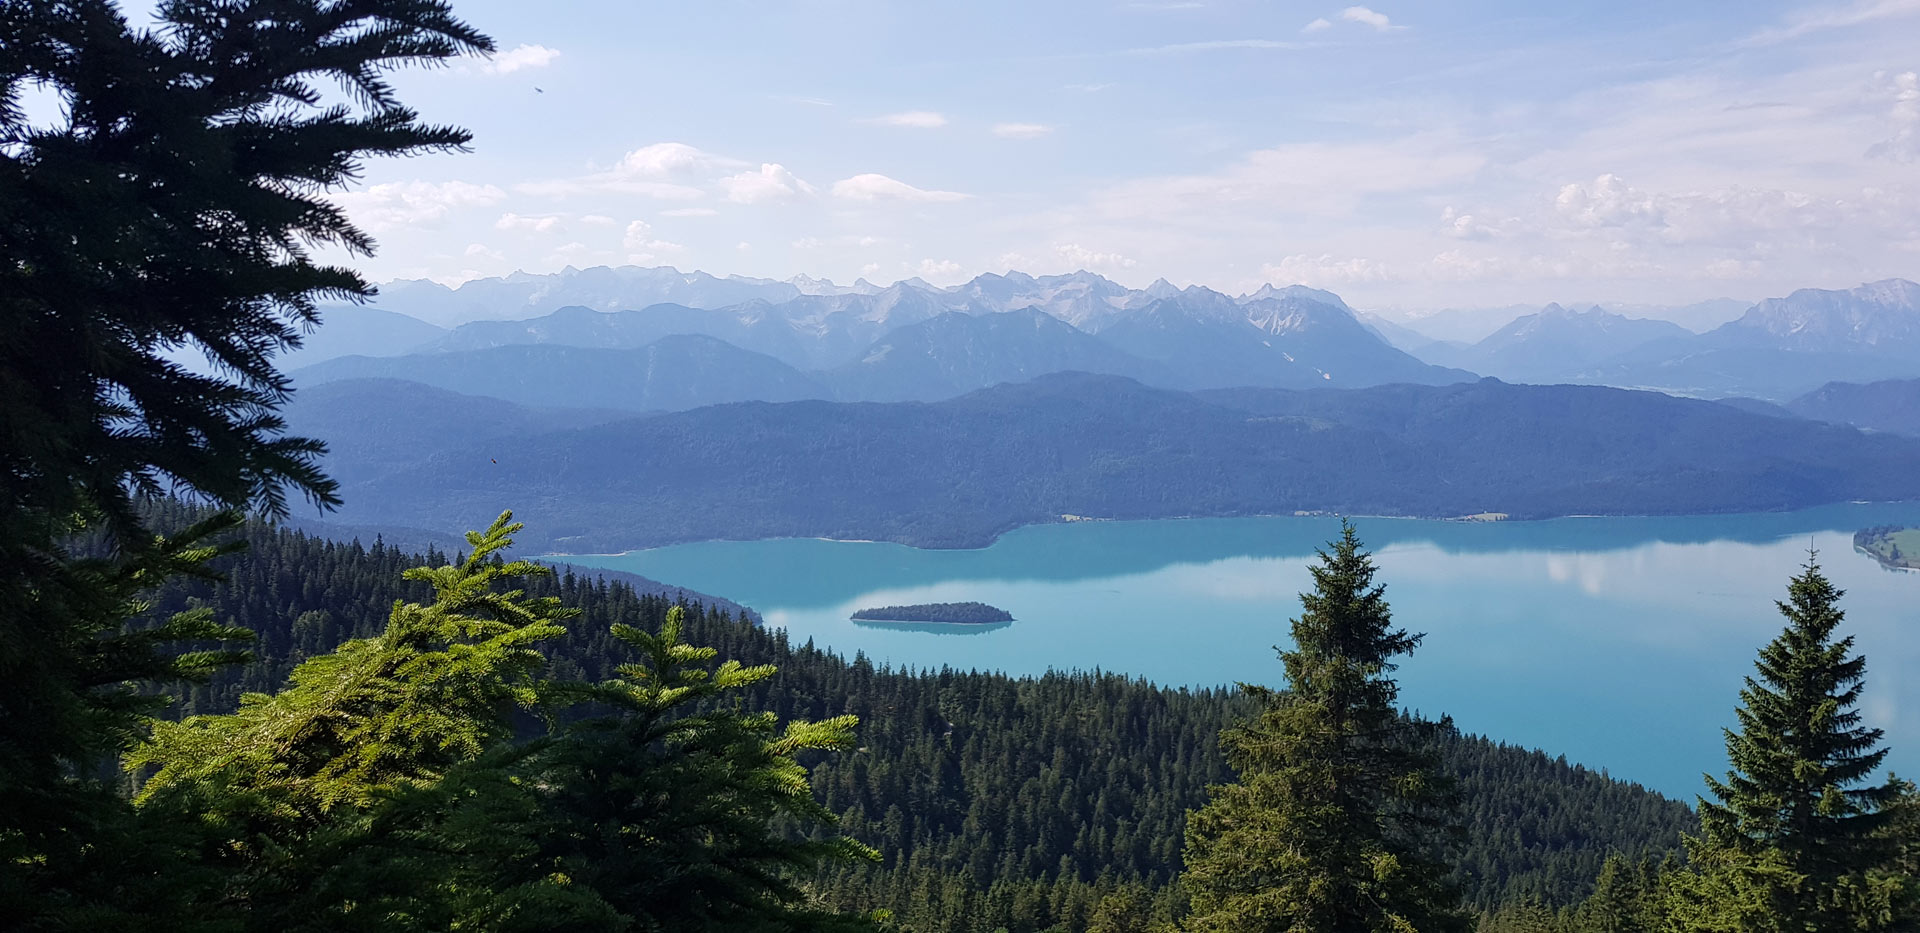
960, 472
995, 801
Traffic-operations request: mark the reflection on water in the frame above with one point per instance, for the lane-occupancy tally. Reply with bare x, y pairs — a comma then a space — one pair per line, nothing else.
933, 628
1618, 642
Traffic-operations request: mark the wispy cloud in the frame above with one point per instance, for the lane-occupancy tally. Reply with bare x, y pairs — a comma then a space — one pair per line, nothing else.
915, 119
771, 183
1318, 23
877, 187
1368, 17
1816, 19
413, 203
519, 58
1021, 130
537, 224
668, 171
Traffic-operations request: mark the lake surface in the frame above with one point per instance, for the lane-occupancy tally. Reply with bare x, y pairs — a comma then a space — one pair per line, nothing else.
1618, 642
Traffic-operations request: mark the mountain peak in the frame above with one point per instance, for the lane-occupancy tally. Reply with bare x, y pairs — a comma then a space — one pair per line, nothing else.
1320, 296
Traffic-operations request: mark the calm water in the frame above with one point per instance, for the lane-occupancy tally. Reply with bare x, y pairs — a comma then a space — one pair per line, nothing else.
1618, 642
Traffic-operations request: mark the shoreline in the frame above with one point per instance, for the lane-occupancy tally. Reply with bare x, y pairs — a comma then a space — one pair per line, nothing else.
995, 538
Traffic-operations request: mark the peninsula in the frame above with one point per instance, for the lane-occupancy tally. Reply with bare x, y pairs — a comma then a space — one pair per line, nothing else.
957, 613
1894, 547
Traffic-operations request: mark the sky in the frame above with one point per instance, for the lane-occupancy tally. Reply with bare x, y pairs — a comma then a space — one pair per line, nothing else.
1405, 155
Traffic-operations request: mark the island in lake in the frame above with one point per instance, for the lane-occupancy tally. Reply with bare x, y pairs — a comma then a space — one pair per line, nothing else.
1891, 545
957, 613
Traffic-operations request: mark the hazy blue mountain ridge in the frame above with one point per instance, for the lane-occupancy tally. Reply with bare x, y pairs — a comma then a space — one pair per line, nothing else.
960, 472
1784, 347
670, 374
1554, 344
1891, 405
886, 346
956, 353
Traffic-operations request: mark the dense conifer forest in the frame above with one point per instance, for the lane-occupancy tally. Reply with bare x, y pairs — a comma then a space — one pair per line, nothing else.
210, 723
1020, 802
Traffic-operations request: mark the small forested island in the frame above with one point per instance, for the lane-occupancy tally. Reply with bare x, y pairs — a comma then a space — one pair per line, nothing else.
1893, 546
959, 613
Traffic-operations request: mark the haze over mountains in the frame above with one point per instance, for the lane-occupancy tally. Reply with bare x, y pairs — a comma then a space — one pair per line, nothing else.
904, 342
961, 471
811, 338
742, 407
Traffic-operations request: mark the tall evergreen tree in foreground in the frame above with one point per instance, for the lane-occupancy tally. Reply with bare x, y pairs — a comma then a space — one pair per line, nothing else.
1797, 838
1339, 803
168, 204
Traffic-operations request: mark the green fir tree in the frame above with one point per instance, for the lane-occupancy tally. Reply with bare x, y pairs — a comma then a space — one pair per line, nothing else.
1339, 803
169, 206
1797, 837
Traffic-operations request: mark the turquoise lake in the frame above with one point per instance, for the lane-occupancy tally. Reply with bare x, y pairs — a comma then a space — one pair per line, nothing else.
1617, 642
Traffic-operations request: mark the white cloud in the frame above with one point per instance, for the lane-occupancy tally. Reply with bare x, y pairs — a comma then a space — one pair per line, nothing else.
1325, 271
536, 224
485, 252
1904, 145
1731, 217
1367, 17
876, 187
413, 203
669, 160
667, 171
1318, 23
1082, 258
689, 212
520, 57
743, 246
598, 220
1607, 202
642, 247
1021, 130
916, 119
943, 271
639, 237
771, 183
571, 253
1461, 225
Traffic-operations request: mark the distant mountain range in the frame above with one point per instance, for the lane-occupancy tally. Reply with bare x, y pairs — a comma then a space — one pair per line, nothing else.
961, 471
1554, 344
1778, 349
810, 338
904, 342
1783, 347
